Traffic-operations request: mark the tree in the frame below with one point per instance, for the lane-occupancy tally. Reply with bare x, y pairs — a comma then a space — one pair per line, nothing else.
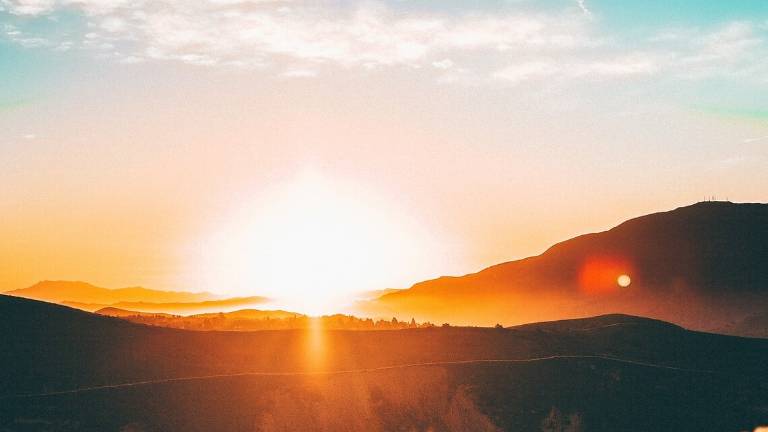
556, 421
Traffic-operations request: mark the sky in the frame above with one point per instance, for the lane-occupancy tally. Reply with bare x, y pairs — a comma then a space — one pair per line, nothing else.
301, 148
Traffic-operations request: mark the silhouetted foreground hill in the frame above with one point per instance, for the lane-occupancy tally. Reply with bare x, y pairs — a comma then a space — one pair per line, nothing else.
606, 373
700, 266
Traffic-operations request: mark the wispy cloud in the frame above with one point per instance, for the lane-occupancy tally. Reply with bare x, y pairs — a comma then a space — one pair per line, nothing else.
293, 37
622, 66
259, 33
755, 139
249, 32
15, 35
28, 7
583, 6
299, 73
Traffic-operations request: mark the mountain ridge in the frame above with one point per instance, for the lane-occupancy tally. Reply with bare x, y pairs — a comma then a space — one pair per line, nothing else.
85, 292
705, 253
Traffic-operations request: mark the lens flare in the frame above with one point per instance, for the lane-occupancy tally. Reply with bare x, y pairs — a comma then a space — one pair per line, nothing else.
604, 274
624, 281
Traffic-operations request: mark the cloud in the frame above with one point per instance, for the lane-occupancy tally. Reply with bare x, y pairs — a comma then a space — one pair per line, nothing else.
520, 72
732, 50
443, 64
131, 59
255, 33
13, 34
291, 38
737, 48
583, 6
299, 73
755, 139
618, 67
29, 7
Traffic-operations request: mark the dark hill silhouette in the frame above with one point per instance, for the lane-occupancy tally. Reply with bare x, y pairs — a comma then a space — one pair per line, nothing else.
697, 266
602, 373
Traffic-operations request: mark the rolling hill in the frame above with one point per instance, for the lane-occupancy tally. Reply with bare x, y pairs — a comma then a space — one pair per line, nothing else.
66, 369
699, 266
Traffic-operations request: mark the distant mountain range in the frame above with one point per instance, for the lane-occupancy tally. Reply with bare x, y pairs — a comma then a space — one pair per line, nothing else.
82, 295
244, 314
179, 308
83, 292
703, 266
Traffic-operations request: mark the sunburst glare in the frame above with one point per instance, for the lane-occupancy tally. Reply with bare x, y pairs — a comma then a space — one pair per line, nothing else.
311, 244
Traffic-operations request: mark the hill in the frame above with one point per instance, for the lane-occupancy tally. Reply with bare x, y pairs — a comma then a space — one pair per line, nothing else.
82, 292
87, 297
181, 308
122, 313
246, 314
253, 319
698, 266
65, 369
252, 314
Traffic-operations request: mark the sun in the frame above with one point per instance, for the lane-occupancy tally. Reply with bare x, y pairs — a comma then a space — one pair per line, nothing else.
312, 244
624, 281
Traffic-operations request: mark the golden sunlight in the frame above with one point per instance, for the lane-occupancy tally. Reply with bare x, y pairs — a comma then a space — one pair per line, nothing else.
315, 346
311, 245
